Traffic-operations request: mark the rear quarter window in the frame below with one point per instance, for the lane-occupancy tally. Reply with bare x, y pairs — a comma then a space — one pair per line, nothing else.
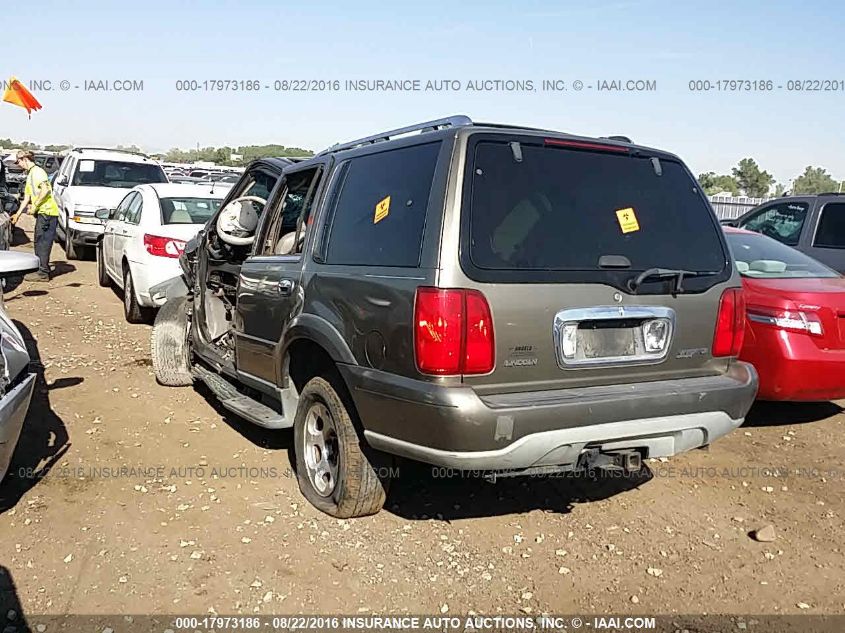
831, 230
380, 209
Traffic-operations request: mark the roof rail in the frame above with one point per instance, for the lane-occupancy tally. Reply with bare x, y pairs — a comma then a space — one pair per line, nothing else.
107, 149
427, 126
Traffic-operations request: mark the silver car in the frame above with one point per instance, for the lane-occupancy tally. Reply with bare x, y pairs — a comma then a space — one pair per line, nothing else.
16, 378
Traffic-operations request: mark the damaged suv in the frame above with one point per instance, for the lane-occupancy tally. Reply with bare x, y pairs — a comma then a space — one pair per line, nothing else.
475, 296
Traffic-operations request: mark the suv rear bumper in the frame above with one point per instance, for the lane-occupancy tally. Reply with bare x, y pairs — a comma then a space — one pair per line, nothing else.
456, 428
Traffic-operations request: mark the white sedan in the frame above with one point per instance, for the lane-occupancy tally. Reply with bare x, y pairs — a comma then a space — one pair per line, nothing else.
145, 235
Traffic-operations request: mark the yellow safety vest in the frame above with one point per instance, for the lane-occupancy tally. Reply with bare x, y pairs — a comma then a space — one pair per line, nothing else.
34, 179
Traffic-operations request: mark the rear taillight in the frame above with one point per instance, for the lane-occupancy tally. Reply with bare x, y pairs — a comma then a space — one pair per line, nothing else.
730, 324
791, 320
453, 332
163, 246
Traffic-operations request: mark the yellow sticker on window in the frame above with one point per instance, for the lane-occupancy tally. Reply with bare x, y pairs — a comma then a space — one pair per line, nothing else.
382, 209
627, 220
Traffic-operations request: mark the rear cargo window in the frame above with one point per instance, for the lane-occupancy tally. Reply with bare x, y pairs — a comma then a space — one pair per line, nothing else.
380, 212
561, 209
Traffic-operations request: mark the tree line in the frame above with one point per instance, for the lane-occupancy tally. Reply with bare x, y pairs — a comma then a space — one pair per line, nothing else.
223, 155
218, 155
748, 179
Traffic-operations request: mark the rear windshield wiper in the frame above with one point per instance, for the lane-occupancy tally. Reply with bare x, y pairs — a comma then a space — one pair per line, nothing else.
665, 273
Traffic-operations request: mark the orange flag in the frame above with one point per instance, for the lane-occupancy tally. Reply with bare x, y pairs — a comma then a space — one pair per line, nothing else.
18, 95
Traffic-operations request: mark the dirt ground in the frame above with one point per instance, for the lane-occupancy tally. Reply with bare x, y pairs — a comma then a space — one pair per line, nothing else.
207, 517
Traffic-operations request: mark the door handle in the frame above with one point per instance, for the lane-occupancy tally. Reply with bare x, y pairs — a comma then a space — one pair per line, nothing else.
285, 287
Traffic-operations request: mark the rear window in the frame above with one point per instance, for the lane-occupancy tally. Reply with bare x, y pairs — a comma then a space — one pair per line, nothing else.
379, 215
561, 209
763, 257
831, 230
187, 210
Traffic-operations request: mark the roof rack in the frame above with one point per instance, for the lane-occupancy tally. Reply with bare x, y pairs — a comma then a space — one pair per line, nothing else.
107, 149
427, 126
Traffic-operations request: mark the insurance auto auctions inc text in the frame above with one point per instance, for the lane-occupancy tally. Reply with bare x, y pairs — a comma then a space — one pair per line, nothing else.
495, 623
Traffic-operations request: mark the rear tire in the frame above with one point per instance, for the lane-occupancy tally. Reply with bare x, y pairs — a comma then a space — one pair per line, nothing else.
102, 275
169, 347
334, 473
132, 310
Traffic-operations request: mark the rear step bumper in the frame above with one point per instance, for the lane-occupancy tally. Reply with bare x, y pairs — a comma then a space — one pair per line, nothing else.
454, 427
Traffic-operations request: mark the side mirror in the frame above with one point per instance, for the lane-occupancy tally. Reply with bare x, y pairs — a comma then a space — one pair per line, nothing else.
728, 222
61, 180
102, 214
13, 263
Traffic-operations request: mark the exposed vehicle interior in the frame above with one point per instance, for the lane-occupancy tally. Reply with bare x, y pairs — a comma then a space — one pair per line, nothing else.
231, 241
228, 243
288, 230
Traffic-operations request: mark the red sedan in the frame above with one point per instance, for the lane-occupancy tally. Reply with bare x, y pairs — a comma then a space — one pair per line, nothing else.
795, 331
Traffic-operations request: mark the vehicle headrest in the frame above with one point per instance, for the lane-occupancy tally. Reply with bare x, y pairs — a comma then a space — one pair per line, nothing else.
285, 243
768, 266
180, 216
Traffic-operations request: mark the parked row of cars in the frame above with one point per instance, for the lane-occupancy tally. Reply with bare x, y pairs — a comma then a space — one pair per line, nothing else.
475, 297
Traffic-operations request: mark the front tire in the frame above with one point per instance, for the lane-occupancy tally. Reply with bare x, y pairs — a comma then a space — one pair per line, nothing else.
169, 348
333, 471
70, 247
132, 310
102, 275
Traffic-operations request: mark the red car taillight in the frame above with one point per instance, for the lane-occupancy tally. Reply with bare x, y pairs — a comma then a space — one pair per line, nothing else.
790, 320
730, 324
163, 246
453, 332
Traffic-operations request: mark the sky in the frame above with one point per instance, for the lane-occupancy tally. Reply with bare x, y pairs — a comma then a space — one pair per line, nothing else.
268, 41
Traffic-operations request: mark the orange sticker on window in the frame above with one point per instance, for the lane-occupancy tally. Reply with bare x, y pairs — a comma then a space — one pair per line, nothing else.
382, 209
627, 220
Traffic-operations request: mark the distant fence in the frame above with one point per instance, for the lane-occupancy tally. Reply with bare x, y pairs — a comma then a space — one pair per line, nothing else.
730, 207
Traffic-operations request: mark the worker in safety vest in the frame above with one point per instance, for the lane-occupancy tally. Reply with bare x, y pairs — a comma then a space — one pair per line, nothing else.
38, 197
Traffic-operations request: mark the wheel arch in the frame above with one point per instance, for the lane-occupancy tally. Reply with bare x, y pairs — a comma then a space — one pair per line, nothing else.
320, 331
311, 346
